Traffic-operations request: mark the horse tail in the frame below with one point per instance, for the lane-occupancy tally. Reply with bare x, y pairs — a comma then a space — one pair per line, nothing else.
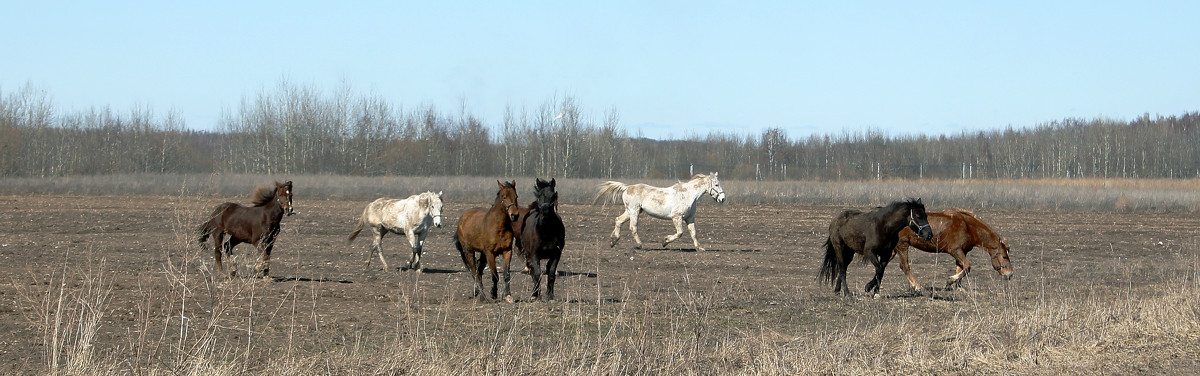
211, 224
611, 190
831, 267
361, 222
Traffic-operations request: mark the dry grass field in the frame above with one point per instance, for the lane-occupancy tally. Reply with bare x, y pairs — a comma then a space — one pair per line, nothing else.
103, 276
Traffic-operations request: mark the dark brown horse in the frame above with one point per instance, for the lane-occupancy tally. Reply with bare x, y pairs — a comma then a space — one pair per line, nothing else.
541, 237
957, 231
488, 231
873, 235
257, 225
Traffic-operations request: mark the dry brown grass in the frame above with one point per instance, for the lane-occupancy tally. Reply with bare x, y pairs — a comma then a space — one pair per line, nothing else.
1156, 195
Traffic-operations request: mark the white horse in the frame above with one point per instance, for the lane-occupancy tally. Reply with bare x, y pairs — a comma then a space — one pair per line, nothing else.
677, 203
412, 217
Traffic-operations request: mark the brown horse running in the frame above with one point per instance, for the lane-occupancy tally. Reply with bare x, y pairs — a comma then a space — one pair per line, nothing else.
488, 231
257, 225
957, 232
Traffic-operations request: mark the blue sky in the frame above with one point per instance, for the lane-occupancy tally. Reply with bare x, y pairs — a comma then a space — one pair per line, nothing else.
669, 69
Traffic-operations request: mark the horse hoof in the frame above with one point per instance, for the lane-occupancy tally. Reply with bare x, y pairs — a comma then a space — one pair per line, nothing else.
509, 299
876, 296
698, 249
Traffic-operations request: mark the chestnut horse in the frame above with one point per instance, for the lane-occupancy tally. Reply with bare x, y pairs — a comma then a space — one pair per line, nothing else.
257, 225
957, 232
540, 236
873, 235
489, 231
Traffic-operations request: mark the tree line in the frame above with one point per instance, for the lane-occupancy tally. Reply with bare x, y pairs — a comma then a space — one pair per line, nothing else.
295, 129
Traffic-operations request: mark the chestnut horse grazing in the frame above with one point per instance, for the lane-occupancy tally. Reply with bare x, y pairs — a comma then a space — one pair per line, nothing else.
957, 232
873, 235
677, 203
257, 225
489, 231
413, 216
541, 237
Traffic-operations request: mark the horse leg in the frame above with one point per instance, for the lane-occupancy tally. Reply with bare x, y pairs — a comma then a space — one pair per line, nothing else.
218, 245
873, 285
535, 271
507, 275
551, 274
962, 267
414, 262
678, 222
491, 263
264, 262
880, 266
377, 247
616, 234
841, 284
691, 225
417, 252
902, 251
633, 219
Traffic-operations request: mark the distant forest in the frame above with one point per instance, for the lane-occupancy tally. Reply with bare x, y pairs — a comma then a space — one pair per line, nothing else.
301, 130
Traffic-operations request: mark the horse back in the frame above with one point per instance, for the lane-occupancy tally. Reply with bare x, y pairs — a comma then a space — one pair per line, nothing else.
980, 232
246, 224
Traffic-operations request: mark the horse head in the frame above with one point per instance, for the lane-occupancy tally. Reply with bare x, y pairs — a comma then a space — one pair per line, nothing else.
1001, 262
714, 188
432, 203
283, 195
507, 196
547, 197
918, 222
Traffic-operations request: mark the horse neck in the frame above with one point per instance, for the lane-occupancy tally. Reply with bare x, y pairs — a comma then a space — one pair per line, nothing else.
695, 188
274, 209
498, 209
896, 218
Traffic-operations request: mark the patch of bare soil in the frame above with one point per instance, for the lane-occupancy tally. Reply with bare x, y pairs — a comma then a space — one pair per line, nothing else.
757, 277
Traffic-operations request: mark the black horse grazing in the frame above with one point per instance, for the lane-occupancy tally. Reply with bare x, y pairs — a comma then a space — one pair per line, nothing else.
874, 235
540, 236
257, 225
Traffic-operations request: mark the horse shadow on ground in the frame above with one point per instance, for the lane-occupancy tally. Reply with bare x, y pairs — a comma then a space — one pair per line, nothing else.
306, 279
693, 250
434, 270
566, 273
933, 293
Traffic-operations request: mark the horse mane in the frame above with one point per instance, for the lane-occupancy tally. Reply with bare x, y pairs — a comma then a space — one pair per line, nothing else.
262, 195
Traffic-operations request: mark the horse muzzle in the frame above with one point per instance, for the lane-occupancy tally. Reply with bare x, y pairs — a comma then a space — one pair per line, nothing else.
290, 212
720, 197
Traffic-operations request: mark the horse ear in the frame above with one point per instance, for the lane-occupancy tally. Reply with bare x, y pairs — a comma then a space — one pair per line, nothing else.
551, 182
498, 184
514, 183
714, 174
439, 195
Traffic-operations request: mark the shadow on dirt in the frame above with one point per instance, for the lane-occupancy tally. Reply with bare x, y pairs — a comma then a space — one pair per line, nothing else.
305, 279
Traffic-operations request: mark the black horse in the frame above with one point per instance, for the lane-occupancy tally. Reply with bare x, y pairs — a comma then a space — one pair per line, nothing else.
874, 235
541, 236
